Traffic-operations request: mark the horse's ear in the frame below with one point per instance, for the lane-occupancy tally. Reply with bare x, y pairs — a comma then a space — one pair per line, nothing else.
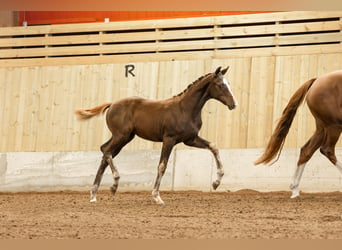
218, 70
224, 71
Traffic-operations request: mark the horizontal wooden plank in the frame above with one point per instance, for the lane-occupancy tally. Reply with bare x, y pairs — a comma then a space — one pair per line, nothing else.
279, 28
172, 46
313, 38
98, 49
168, 23
106, 38
298, 16
279, 40
172, 34
199, 55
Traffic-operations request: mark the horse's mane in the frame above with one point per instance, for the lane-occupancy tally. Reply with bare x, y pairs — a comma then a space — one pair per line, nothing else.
193, 84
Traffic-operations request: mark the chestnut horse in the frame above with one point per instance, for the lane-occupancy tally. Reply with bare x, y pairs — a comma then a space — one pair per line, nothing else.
171, 121
324, 99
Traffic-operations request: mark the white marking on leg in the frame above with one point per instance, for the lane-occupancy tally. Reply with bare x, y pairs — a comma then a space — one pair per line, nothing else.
296, 180
93, 193
156, 197
220, 174
115, 173
339, 166
220, 171
155, 192
116, 177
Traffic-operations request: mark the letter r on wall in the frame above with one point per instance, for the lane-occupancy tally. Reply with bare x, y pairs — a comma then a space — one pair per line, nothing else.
129, 70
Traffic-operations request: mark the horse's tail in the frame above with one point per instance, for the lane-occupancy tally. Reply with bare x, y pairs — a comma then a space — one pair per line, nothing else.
84, 114
277, 139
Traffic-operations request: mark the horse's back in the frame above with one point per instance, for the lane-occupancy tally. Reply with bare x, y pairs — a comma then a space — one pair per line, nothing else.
325, 98
137, 115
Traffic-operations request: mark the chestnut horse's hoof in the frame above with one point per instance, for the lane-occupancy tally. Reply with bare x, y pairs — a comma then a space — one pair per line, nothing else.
156, 198
216, 184
92, 195
295, 194
113, 189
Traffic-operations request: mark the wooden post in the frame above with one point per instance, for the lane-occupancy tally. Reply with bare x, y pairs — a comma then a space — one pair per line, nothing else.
277, 35
216, 38
157, 31
8, 18
47, 46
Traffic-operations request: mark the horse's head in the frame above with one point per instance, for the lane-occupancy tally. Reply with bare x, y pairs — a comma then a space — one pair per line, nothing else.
220, 89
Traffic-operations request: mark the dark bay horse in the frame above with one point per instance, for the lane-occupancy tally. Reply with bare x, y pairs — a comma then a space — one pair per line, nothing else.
170, 121
324, 99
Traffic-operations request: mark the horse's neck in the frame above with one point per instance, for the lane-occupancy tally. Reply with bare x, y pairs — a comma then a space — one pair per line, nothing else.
194, 99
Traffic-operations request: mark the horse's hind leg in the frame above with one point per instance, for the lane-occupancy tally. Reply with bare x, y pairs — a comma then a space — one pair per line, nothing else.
118, 145
99, 174
328, 147
110, 149
306, 153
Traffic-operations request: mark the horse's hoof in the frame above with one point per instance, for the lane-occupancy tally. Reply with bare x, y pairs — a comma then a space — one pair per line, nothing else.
113, 189
158, 200
92, 196
295, 194
216, 184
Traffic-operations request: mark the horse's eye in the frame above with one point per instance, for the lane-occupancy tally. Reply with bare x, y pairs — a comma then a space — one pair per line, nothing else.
222, 85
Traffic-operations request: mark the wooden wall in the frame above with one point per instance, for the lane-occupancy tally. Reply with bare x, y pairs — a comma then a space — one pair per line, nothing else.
38, 102
38, 97
171, 39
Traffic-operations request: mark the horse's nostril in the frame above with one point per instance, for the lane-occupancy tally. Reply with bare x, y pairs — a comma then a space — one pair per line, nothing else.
232, 106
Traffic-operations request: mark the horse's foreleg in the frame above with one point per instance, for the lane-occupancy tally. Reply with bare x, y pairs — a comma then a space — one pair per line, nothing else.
98, 179
155, 191
201, 143
220, 171
164, 157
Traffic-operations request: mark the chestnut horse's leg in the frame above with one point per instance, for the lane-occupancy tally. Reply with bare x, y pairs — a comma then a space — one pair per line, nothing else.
201, 143
328, 147
115, 173
220, 171
110, 149
164, 157
106, 160
98, 179
99, 174
306, 153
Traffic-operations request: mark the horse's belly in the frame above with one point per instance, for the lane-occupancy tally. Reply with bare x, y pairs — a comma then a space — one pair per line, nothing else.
149, 134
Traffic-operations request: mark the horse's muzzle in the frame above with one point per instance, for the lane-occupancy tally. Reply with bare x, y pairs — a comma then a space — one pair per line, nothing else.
232, 106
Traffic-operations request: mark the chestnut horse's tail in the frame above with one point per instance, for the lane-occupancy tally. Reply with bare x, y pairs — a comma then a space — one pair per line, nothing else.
84, 114
279, 134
